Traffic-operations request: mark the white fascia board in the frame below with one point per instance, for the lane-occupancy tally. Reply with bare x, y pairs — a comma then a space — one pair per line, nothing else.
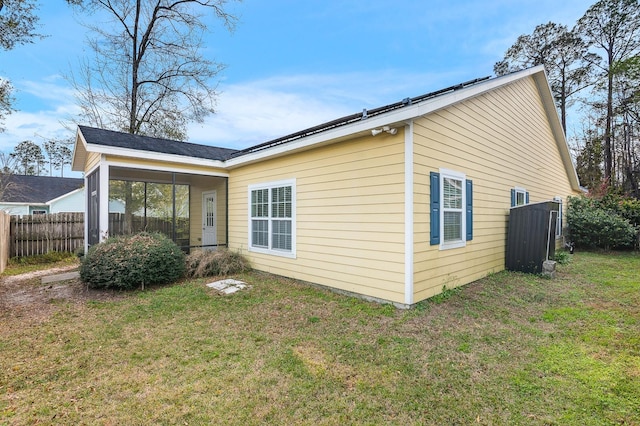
359, 128
153, 156
395, 118
158, 168
18, 204
68, 194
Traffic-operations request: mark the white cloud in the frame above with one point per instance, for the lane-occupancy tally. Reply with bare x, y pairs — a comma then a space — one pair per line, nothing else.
36, 126
248, 113
253, 112
53, 88
50, 103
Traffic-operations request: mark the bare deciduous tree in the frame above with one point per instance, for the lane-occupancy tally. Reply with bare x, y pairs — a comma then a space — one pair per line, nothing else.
6, 172
148, 75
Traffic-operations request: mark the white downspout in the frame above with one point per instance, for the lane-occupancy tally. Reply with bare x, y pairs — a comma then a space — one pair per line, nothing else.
408, 213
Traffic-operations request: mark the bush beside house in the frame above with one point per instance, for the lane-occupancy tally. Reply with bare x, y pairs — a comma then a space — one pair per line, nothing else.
610, 222
127, 262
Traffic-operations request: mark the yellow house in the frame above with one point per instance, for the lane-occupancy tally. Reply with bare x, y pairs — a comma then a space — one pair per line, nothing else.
390, 204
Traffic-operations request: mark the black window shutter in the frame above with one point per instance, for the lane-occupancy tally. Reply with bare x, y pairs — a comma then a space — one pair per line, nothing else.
435, 208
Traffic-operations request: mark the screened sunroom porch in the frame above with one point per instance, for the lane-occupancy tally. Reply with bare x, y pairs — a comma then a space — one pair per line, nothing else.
190, 209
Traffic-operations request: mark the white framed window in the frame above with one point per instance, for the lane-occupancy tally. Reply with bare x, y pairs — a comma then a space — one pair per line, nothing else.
519, 197
452, 213
558, 199
272, 215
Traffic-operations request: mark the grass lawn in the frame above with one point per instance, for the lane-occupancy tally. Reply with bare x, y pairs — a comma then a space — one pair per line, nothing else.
508, 349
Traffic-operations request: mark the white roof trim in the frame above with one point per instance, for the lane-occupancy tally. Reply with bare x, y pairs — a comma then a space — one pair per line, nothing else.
154, 156
79, 148
68, 194
155, 167
17, 203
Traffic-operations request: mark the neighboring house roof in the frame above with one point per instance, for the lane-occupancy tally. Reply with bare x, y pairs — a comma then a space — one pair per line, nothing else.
38, 189
359, 124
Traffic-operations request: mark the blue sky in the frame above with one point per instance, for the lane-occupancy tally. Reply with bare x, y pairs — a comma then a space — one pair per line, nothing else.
292, 64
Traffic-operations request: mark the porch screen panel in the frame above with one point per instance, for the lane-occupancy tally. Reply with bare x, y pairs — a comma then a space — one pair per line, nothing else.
93, 208
126, 207
182, 215
137, 206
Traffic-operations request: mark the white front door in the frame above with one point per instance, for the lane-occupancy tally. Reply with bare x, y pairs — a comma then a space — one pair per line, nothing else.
209, 234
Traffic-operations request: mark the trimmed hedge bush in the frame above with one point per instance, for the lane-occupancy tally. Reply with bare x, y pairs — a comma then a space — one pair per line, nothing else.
127, 262
208, 263
593, 225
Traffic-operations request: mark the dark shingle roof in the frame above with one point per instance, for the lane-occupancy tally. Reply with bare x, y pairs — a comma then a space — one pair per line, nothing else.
38, 189
96, 136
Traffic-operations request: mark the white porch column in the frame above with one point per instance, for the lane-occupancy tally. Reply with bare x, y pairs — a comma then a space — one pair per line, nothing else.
103, 202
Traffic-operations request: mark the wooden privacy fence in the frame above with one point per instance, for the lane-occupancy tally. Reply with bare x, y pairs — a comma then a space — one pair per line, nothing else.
4, 239
42, 233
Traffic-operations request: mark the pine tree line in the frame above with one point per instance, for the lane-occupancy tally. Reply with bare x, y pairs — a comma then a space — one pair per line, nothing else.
594, 71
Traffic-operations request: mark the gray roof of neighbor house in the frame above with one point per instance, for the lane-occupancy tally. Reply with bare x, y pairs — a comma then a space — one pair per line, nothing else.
111, 138
38, 189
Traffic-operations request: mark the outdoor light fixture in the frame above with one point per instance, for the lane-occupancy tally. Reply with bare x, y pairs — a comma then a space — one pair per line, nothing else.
387, 129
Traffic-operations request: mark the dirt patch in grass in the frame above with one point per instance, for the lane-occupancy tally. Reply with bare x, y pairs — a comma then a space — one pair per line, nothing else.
26, 297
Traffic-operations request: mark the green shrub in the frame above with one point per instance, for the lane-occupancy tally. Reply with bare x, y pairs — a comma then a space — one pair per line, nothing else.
629, 208
592, 225
208, 263
562, 257
127, 262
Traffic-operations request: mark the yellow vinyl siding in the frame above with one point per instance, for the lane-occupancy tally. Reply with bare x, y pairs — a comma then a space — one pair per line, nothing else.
93, 159
349, 215
500, 140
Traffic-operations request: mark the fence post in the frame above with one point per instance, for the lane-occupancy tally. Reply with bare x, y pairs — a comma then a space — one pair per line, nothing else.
4, 239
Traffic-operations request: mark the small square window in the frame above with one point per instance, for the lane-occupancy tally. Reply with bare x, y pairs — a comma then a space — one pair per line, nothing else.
519, 197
